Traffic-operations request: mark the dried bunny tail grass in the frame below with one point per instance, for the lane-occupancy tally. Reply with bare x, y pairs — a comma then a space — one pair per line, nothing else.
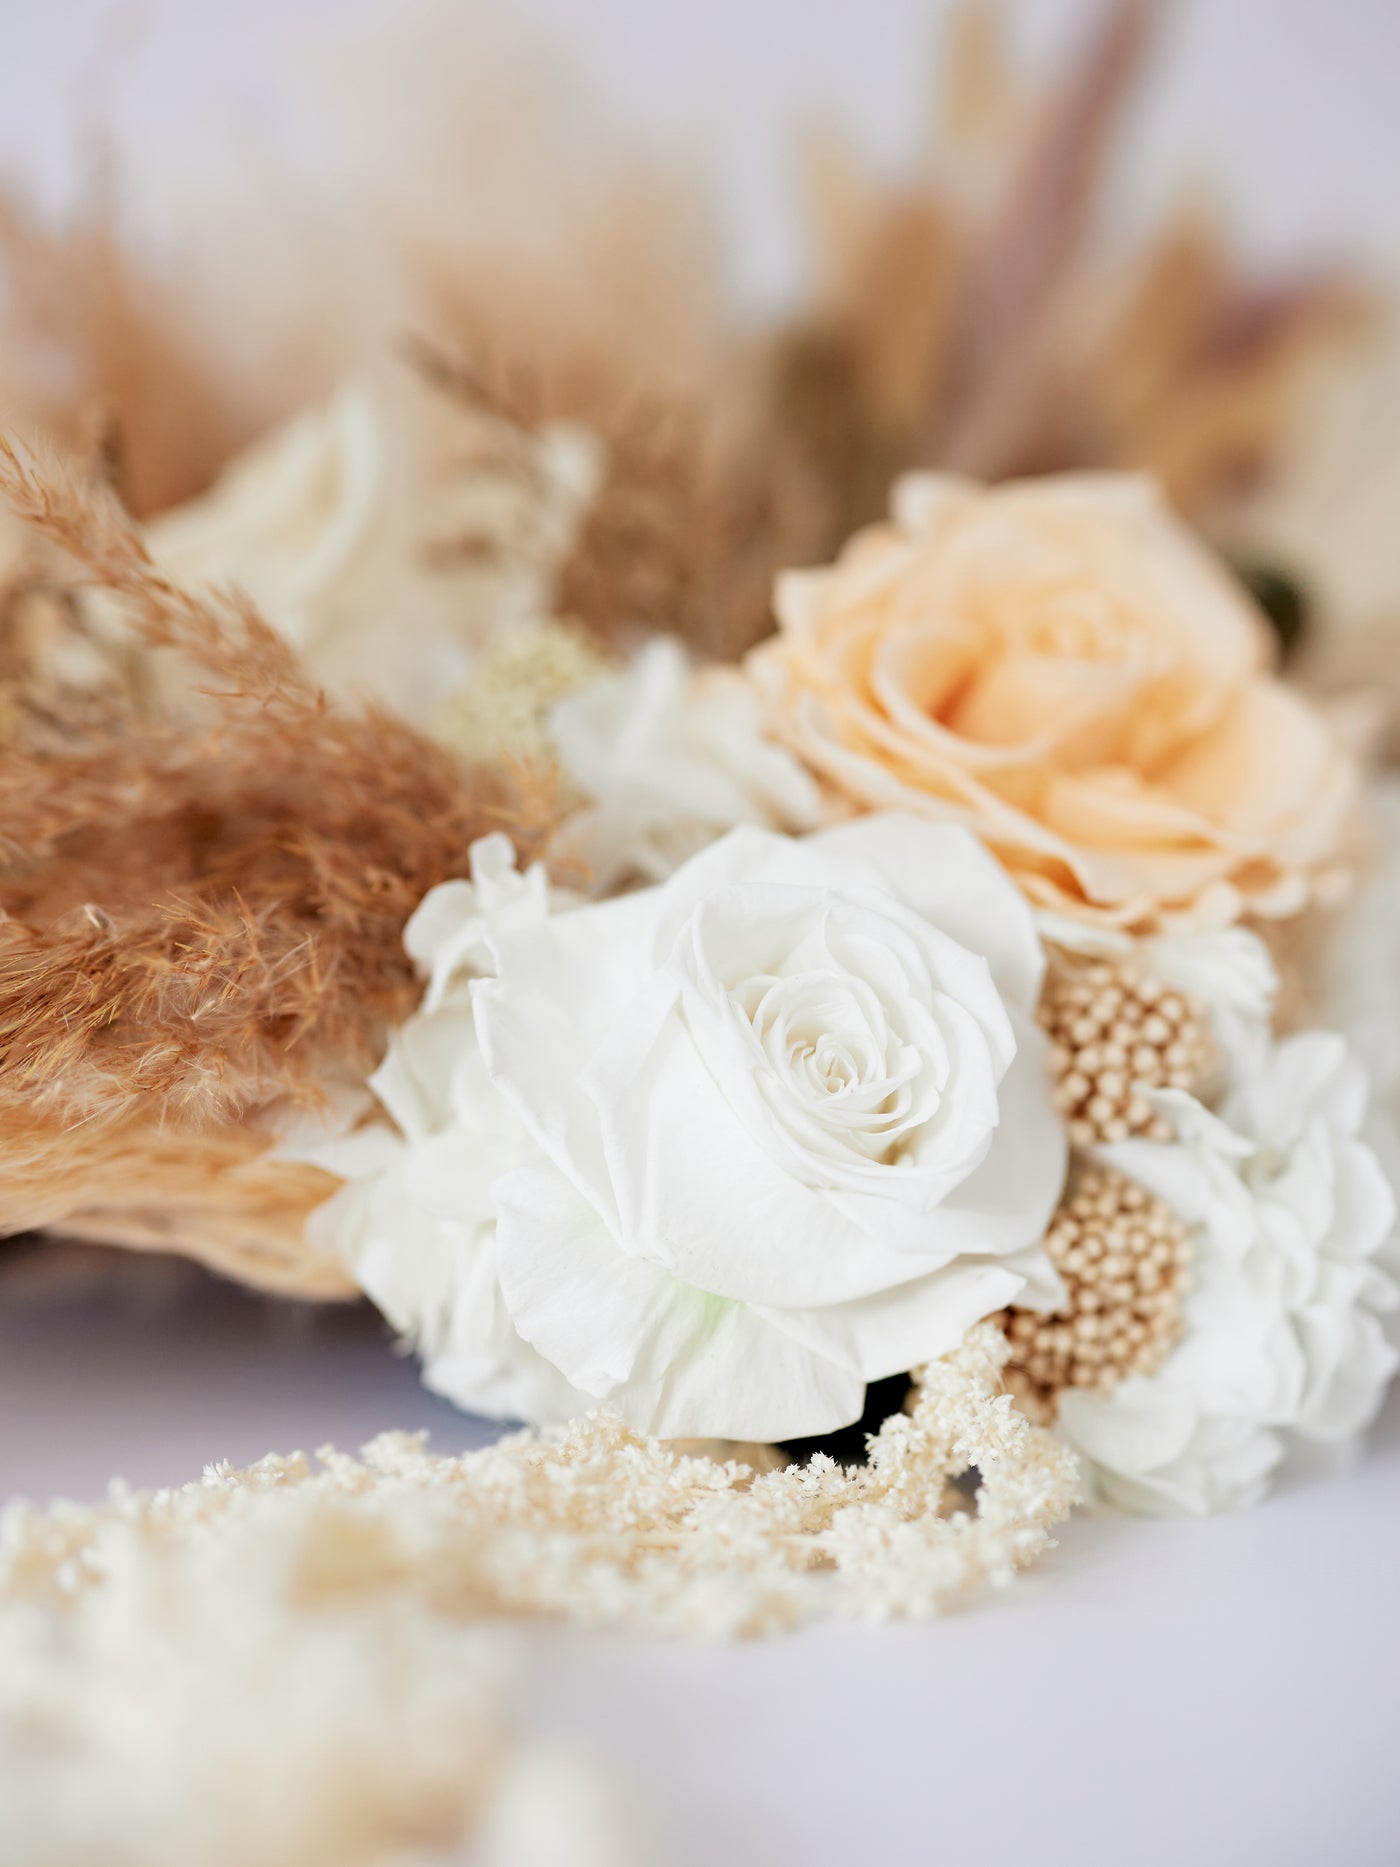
219, 632
90, 338
693, 522
591, 1524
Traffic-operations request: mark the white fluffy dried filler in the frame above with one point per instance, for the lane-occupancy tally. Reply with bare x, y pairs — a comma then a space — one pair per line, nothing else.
240, 1674
285, 1664
589, 1523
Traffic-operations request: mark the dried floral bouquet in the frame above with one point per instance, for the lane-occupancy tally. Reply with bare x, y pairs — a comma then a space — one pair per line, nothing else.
449, 853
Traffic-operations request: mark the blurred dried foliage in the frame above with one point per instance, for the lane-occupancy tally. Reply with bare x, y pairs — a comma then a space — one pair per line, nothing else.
978, 319
98, 355
156, 368
976, 316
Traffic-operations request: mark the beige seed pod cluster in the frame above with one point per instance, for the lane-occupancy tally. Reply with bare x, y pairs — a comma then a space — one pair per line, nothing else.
1125, 1258
1116, 1032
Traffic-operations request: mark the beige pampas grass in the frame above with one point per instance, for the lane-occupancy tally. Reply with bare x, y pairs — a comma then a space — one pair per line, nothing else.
202, 913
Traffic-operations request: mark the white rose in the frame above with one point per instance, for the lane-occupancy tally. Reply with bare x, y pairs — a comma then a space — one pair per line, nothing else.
385, 555
670, 757
287, 515
1283, 1340
718, 1152
792, 1126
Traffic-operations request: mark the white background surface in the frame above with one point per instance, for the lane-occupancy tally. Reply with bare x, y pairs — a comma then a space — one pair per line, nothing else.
1224, 1692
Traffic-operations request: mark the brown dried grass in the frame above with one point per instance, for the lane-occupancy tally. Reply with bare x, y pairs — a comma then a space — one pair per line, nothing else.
702, 503
202, 910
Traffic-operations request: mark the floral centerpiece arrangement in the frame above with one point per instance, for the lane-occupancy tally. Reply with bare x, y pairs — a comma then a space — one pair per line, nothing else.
787, 905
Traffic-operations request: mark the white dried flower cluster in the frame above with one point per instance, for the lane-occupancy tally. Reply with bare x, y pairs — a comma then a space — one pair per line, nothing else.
586, 1522
235, 1674
289, 1663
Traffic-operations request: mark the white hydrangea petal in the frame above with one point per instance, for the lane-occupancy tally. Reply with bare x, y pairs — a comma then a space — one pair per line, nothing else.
1290, 1217
671, 758
1313, 1075
451, 935
676, 1361
560, 989
402, 1257
477, 1359
414, 1082
1139, 1428
1156, 1452
1349, 1365
1365, 1204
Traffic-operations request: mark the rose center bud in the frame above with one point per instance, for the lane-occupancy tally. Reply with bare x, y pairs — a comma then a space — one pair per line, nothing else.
835, 1063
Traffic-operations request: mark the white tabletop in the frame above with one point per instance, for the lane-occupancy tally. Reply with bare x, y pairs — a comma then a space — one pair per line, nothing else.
1222, 1692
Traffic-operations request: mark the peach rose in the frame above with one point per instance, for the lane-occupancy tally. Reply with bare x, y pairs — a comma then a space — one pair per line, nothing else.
1060, 666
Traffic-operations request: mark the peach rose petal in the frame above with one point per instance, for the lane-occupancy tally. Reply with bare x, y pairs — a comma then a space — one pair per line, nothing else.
1059, 666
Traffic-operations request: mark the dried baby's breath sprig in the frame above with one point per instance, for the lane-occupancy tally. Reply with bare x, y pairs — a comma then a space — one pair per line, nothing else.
501, 711
1125, 1259
1116, 1034
592, 1524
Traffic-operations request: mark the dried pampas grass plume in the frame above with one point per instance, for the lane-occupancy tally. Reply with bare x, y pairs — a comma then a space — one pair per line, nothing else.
203, 887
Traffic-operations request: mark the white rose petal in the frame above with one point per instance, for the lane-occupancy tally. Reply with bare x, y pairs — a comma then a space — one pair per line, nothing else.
330, 524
